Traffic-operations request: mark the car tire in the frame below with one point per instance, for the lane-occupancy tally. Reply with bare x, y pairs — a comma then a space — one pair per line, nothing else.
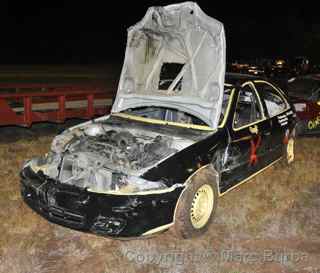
196, 207
289, 150
299, 129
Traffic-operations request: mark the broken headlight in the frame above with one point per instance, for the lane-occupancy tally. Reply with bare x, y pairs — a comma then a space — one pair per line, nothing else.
48, 164
132, 184
80, 170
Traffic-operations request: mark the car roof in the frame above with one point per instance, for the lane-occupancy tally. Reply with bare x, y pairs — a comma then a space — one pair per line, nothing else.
238, 78
315, 77
304, 86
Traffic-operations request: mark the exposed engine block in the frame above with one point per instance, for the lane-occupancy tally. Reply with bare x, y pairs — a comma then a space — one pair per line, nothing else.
94, 158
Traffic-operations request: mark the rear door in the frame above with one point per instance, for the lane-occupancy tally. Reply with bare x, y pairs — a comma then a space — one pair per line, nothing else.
278, 112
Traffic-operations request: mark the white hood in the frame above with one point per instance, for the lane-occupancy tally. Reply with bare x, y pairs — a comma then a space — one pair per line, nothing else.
175, 58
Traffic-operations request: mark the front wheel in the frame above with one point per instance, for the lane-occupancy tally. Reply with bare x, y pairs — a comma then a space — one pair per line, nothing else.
195, 208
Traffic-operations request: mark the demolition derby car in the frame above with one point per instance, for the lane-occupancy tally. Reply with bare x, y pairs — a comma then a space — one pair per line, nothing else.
181, 133
304, 93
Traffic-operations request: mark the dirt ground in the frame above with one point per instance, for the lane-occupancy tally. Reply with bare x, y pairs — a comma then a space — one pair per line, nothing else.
270, 224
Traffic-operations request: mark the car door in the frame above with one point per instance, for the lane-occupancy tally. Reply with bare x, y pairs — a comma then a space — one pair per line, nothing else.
277, 112
250, 134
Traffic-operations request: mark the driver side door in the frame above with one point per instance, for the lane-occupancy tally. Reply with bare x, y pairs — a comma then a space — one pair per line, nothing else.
250, 134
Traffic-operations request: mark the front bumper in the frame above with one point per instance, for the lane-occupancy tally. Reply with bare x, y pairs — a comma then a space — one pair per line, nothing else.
104, 214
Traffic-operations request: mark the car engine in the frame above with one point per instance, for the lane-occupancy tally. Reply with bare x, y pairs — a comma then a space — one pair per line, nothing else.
106, 158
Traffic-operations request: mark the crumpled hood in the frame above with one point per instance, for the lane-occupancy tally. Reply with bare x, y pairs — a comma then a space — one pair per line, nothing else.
175, 58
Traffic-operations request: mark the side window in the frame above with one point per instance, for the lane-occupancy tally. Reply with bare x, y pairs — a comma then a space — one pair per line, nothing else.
248, 108
273, 100
317, 95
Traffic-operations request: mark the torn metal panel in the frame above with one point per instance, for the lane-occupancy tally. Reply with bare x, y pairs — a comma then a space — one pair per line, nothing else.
175, 58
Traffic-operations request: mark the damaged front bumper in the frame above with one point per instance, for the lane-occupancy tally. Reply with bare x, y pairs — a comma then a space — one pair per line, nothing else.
100, 213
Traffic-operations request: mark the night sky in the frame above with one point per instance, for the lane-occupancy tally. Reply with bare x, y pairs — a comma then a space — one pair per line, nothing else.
89, 32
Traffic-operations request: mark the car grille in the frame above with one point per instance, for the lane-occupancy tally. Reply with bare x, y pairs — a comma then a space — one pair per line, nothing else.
66, 216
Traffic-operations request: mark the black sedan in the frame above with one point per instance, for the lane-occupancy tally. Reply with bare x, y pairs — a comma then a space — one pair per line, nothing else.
256, 130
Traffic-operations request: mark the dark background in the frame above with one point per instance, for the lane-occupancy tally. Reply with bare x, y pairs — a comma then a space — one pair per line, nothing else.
93, 32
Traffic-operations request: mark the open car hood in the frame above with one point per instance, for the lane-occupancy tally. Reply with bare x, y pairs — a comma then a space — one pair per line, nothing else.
175, 58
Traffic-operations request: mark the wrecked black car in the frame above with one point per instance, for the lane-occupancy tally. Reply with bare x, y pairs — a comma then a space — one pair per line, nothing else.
181, 133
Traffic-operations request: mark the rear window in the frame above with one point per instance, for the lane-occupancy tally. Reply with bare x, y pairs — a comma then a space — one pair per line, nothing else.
302, 88
274, 102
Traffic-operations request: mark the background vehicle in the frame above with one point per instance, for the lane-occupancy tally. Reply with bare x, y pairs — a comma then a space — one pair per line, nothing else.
304, 92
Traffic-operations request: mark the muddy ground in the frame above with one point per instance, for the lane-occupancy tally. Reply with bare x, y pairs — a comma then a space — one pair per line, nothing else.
270, 224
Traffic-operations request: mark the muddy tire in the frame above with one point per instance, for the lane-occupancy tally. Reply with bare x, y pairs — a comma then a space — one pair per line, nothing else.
196, 207
299, 129
289, 151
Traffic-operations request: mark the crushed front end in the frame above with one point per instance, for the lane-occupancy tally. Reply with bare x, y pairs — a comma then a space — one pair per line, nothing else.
92, 179
104, 214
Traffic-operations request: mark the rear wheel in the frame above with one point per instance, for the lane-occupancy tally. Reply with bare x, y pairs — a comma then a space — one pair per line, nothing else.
196, 208
299, 130
288, 150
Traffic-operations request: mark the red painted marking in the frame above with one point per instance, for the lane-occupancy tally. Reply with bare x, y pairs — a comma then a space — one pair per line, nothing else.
253, 152
286, 139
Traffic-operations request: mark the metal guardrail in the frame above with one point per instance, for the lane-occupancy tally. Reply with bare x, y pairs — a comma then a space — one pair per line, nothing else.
22, 105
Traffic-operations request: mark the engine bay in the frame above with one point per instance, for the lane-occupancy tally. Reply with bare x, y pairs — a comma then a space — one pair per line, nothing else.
103, 157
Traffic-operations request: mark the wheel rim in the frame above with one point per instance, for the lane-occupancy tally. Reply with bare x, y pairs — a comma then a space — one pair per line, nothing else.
290, 150
202, 205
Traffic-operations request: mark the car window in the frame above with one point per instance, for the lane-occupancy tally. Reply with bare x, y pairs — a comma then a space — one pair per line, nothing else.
316, 95
248, 109
225, 104
273, 100
302, 87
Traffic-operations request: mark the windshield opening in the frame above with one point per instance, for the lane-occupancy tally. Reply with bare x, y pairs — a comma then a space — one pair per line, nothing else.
165, 114
174, 115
